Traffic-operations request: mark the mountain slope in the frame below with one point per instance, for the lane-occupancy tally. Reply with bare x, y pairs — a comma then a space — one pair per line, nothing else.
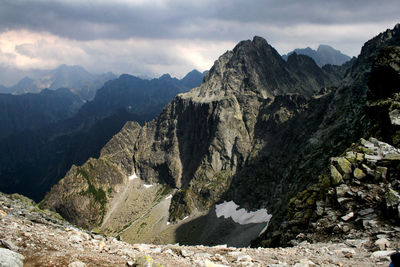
324, 55
198, 145
359, 191
32, 161
33, 111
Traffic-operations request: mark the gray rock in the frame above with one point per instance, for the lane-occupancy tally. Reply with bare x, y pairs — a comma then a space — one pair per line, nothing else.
382, 254
77, 264
304, 263
75, 238
342, 165
343, 200
320, 208
348, 216
382, 243
186, 253
202, 255
394, 116
366, 211
244, 258
392, 198
351, 156
208, 263
394, 157
9, 244
380, 172
359, 174
10, 258
342, 190
372, 158
337, 178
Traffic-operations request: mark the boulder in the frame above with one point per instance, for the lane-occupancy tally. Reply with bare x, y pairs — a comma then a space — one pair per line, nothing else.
382, 243
382, 254
348, 216
77, 264
10, 258
337, 178
359, 174
342, 165
394, 116
392, 198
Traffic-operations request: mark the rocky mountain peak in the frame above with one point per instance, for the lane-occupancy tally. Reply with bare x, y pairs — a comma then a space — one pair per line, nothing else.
299, 60
256, 68
371, 48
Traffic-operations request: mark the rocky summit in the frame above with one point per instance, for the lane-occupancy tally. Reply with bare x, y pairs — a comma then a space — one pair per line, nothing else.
264, 152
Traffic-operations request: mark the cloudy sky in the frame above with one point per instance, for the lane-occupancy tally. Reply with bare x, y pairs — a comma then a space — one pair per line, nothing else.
152, 37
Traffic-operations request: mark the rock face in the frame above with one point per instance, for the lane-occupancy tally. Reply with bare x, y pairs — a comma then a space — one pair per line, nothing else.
257, 131
383, 96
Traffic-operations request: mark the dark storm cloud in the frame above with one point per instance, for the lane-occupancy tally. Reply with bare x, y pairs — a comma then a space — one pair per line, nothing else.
223, 19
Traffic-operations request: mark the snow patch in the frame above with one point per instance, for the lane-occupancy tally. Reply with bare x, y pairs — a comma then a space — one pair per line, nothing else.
133, 176
168, 223
241, 216
147, 185
169, 197
185, 218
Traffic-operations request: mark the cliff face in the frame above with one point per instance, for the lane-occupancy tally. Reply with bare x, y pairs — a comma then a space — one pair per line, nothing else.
358, 195
256, 131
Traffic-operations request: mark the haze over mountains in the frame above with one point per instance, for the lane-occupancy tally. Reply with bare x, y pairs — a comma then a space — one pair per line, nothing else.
76, 78
34, 158
33, 111
324, 54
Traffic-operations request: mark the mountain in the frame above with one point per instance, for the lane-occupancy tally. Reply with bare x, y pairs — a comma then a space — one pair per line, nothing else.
32, 161
234, 138
193, 78
223, 158
76, 78
33, 111
324, 55
143, 97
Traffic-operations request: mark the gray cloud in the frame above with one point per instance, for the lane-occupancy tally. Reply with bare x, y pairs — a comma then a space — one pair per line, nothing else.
144, 37
89, 20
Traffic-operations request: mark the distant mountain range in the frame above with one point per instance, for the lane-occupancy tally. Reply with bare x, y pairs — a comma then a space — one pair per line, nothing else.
325, 54
31, 161
76, 78
34, 111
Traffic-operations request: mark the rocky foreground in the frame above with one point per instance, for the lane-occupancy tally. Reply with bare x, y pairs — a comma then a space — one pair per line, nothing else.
30, 236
